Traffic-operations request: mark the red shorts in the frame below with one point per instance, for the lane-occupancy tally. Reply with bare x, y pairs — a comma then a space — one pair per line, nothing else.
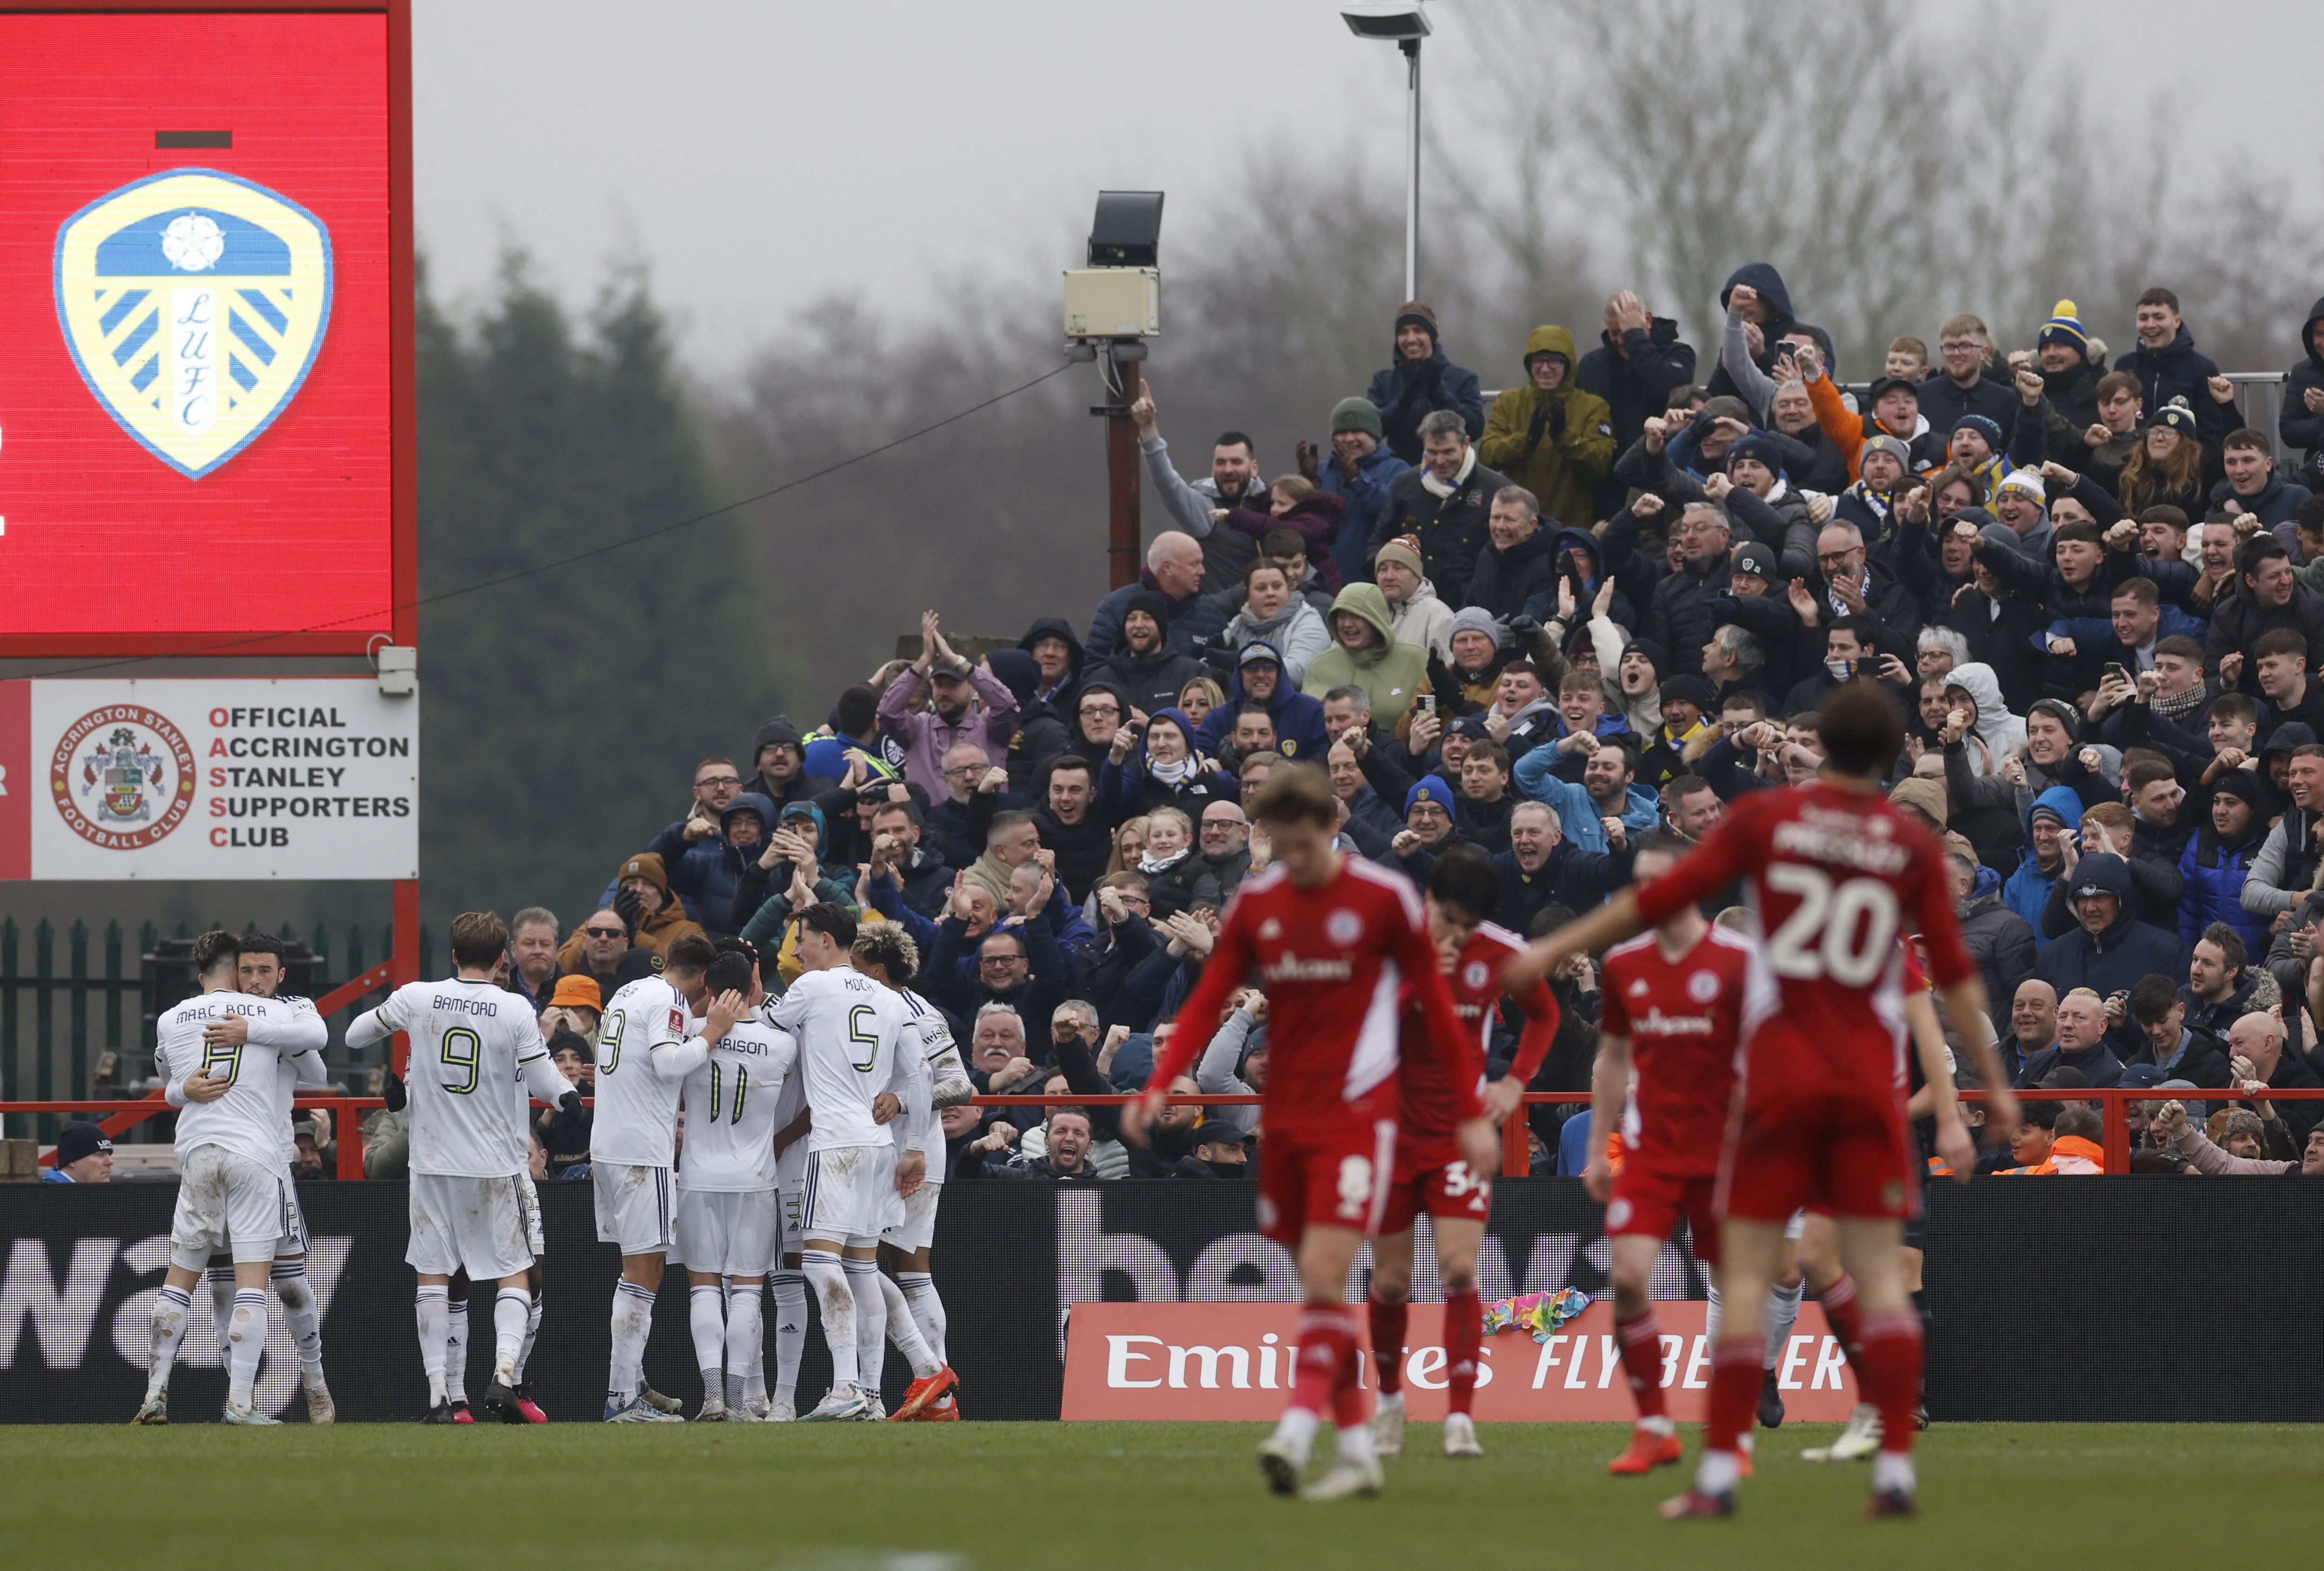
1847, 1156
1335, 1177
1431, 1176
1647, 1203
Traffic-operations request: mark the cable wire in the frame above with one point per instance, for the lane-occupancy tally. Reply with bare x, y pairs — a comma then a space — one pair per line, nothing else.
538, 567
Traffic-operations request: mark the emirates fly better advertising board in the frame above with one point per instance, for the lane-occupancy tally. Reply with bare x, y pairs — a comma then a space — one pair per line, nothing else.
208, 779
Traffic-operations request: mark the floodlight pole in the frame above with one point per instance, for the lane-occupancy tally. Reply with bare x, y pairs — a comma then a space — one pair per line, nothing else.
1411, 47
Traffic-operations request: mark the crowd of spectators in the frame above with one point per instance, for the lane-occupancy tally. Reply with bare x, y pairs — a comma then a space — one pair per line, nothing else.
1543, 622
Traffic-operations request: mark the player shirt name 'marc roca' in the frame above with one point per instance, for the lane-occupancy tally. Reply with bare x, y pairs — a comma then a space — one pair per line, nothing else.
276, 778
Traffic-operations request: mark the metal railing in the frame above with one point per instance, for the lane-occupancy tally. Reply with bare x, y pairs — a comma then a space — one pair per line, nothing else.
1515, 1158
48, 1052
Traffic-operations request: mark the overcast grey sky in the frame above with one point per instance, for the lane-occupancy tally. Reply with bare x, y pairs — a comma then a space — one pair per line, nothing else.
760, 154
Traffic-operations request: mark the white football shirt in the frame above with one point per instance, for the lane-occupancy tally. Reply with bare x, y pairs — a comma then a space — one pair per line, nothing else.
933, 1065
252, 1118
731, 1103
293, 1071
635, 1113
469, 1040
848, 1029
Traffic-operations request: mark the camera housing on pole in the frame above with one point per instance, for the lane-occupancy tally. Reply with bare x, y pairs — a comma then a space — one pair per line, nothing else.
1404, 25
1113, 306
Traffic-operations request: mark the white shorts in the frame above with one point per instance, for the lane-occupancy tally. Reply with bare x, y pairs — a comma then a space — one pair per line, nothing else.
851, 1194
634, 1207
535, 1238
918, 1228
728, 1233
229, 1203
472, 1224
790, 1174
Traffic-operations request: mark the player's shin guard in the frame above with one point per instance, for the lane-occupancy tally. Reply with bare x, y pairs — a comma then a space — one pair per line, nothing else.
1465, 1335
511, 1309
1641, 1342
1327, 1356
248, 1339
705, 1315
835, 1301
431, 1306
745, 1327
904, 1333
919, 1291
300, 1314
455, 1350
172, 1307
1782, 1313
1840, 1308
1735, 1372
863, 1281
1387, 1325
790, 1329
1714, 1315
220, 1279
633, 1320
1889, 1369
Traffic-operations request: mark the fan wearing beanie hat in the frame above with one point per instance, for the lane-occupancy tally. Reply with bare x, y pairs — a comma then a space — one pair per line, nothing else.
1416, 613
1419, 381
84, 1155
1358, 469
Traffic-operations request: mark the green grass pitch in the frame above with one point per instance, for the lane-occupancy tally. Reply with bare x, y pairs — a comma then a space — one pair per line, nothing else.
1004, 1496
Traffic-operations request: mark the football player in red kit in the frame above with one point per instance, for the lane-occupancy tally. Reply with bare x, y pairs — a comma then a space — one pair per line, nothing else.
1430, 1175
1335, 940
1670, 1015
1834, 874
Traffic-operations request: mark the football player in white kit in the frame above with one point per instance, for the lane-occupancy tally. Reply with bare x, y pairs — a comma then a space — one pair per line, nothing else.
469, 1040
646, 1048
729, 1225
884, 952
848, 1028
233, 1184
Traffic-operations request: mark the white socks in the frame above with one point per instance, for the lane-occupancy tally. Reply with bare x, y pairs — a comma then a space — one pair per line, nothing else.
632, 1322
919, 1291
1892, 1471
863, 1281
301, 1315
221, 1285
836, 1302
172, 1309
511, 1309
791, 1330
456, 1351
905, 1332
433, 1307
1783, 1309
1297, 1429
531, 1333
1717, 1471
1712, 1318
746, 1308
705, 1314
247, 1340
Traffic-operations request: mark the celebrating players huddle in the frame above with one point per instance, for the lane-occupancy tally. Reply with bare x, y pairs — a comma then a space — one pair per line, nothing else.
812, 1142
1758, 1078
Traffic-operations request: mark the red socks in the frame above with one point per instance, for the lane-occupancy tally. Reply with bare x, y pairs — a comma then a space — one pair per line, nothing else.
1840, 1307
1327, 1357
1889, 1370
1641, 1342
1465, 1335
1388, 1345
1735, 1373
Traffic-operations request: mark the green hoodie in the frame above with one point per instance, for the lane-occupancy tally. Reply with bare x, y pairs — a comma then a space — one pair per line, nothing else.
1562, 466
1391, 672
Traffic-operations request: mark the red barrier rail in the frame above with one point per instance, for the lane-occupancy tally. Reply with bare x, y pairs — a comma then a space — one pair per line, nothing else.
124, 1115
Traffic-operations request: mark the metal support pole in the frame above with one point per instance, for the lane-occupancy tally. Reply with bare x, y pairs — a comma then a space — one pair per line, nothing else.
1411, 47
1122, 461
403, 965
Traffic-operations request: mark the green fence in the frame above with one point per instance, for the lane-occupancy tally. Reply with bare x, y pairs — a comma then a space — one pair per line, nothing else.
112, 1055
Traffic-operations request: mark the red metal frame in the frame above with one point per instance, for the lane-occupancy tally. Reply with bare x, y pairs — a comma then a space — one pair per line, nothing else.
403, 405
1514, 1163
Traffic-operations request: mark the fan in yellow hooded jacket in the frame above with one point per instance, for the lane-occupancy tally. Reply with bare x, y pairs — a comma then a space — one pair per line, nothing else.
1549, 436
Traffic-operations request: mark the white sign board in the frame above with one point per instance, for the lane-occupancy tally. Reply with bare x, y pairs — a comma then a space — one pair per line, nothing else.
290, 777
